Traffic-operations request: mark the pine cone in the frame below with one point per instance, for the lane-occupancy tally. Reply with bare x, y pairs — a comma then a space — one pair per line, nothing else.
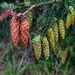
45, 46
37, 46
14, 29
62, 29
51, 37
24, 32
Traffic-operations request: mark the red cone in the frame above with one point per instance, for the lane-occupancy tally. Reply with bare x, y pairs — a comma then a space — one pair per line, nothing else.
24, 32
14, 29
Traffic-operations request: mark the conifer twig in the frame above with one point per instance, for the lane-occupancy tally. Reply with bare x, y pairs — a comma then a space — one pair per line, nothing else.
12, 13
36, 5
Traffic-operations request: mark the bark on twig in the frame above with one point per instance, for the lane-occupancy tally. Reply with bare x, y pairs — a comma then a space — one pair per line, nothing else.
12, 13
36, 5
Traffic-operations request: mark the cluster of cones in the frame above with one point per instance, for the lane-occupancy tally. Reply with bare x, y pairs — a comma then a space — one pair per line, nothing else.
55, 34
19, 26
19, 29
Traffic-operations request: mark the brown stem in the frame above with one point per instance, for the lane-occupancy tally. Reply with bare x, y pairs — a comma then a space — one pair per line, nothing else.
12, 13
36, 5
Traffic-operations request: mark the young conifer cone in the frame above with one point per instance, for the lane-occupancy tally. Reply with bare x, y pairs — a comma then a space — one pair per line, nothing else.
51, 37
72, 14
14, 29
64, 56
37, 46
45, 46
62, 29
55, 29
24, 32
70, 17
29, 18
68, 21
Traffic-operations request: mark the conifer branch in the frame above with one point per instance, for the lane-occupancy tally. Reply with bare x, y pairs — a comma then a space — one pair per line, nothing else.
12, 13
36, 5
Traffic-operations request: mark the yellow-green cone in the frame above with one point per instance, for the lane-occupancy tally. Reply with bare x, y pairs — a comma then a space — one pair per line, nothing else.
62, 29
45, 46
29, 17
37, 46
71, 10
72, 19
64, 56
72, 14
71, 49
55, 29
55, 49
68, 21
51, 37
